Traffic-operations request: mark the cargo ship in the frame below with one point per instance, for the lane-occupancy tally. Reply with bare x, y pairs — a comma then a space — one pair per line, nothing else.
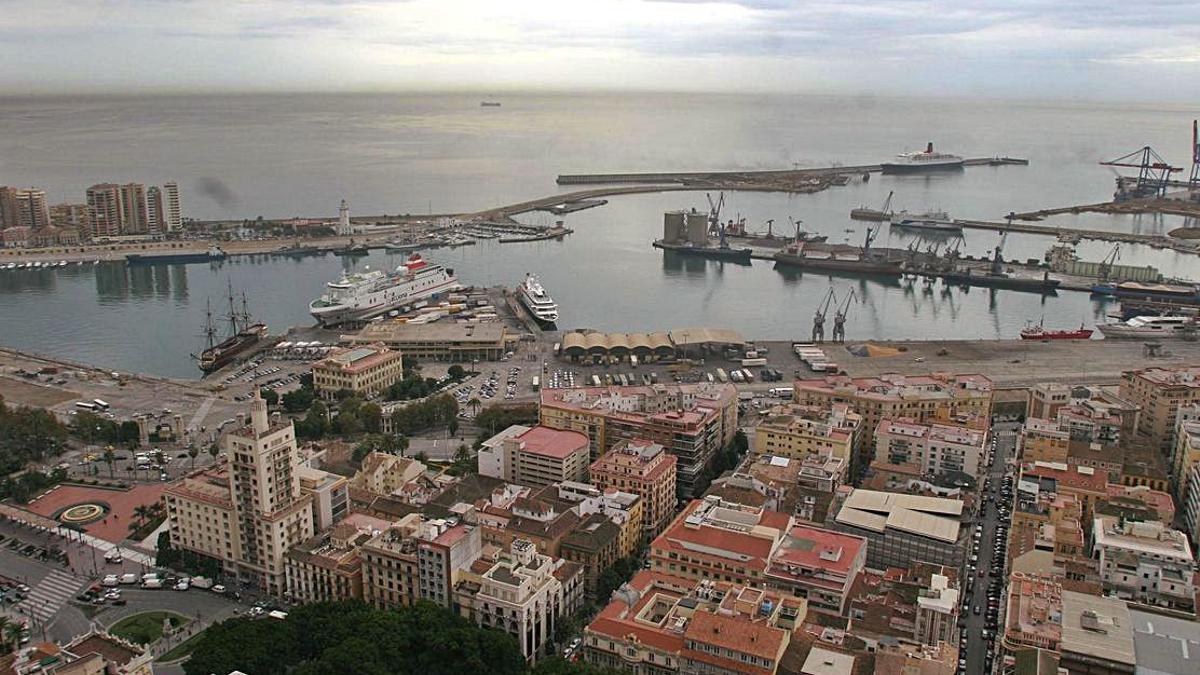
212, 254
686, 232
852, 259
244, 334
1189, 295
922, 162
990, 279
1039, 332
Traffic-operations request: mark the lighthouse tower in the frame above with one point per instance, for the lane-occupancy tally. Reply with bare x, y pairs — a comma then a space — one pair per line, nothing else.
343, 225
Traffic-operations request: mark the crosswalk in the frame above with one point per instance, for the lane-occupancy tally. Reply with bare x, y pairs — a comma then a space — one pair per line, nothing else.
49, 594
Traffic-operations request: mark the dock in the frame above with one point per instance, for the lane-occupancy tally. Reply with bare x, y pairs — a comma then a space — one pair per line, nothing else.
688, 177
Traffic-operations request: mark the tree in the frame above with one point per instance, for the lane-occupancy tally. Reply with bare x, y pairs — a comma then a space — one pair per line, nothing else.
13, 633
270, 396
371, 417
142, 513
4, 648
27, 435
131, 434
109, 458
456, 372
452, 427
474, 404
193, 452
214, 450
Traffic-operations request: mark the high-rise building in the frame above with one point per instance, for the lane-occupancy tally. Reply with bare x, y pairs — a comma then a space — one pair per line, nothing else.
155, 215
23, 207
72, 215
644, 469
174, 212
271, 513
1160, 392
106, 203
134, 219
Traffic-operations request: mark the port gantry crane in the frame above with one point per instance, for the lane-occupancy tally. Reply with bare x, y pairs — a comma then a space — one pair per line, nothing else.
839, 317
1106, 265
818, 329
1154, 174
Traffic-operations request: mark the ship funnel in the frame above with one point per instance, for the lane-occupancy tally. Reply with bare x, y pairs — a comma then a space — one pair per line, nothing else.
929, 148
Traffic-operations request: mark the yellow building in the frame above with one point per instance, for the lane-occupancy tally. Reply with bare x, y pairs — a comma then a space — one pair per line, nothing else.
798, 431
201, 517
1160, 392
644, 469
1041, 440
365, 371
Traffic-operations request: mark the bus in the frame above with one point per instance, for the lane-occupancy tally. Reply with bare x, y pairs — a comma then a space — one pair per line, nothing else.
102, 405
536, 382
782, 392
86, 405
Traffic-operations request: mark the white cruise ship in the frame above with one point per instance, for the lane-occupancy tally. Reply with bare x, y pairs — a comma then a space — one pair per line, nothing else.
360, 296
537, 301
918, 162
1142, 327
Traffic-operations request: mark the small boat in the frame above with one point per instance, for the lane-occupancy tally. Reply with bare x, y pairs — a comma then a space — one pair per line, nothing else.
1039, 332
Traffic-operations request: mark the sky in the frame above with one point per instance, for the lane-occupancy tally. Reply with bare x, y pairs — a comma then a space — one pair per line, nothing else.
1112, 50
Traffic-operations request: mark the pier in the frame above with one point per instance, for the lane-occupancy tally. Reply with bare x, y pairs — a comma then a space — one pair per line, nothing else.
689, 177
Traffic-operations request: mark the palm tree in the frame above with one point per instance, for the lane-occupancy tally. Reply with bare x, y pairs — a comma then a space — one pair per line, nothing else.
4, 623
13, 633
142, 512
474, 404
109, 458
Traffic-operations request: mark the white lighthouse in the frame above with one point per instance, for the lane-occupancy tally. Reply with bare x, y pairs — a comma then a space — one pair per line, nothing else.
343, 225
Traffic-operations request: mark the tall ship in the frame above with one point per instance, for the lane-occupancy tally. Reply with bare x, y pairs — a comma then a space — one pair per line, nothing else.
533, 296
921, 162
211, 255
1151, 327
363, 295
851, 259
244, 334
932, 221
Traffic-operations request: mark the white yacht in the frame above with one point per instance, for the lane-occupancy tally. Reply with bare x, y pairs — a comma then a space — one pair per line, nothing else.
539, 303
1150, 327
360, 296
919, 162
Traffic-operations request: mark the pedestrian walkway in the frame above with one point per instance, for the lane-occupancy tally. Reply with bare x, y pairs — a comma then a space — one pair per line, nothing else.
49, 594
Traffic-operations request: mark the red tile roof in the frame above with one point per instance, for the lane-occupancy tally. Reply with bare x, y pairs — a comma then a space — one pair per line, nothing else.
818, 548
552, 442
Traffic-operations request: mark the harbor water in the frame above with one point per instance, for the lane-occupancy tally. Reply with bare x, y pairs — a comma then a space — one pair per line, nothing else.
299, 155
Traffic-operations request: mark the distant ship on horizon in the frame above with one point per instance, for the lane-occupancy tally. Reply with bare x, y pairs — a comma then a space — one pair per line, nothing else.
489, 104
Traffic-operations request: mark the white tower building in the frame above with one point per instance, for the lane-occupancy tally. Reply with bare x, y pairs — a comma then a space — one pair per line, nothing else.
343, 226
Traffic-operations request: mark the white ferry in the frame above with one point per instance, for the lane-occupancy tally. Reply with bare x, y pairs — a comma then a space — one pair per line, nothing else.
1144, 327
918, 162
539, 303
360, 296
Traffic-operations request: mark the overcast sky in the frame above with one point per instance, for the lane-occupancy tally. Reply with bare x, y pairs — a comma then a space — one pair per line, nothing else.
1036, 48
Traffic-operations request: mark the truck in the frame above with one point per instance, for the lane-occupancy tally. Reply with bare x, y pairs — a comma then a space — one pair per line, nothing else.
736, 376
753, 363
202, 582
633, 360
783, 392
747, 375
152, 583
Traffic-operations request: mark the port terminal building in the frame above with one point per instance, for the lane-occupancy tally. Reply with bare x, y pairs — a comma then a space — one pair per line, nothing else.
582, 345
455, 342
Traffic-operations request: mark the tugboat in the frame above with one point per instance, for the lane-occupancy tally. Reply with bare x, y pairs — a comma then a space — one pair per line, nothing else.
243, 335
1039, 332
534, 298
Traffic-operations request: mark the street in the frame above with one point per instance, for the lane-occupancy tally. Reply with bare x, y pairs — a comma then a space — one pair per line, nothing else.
976, 586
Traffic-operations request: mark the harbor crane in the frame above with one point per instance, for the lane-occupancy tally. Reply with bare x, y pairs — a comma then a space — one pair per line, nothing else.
839, 317
818, 329
998, 257
1194, 180
1106, 265
887, 205
1154, 174
714, 210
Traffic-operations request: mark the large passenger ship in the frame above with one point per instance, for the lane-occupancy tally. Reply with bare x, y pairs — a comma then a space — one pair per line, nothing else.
363, 295
919, 162
539, 303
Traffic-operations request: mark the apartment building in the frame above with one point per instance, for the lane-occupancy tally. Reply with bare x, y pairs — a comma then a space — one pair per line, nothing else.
535, 456
645, 469
201, 517
903, 529
385, 474
1144, 561
962, 399
444, 550
330, 495
1033, 613
390, 565
173, 208
1088, 413
364, 371
936, 448
802, 487
1185, 474
23, 207
817, 564
1160, 393
692, 421
797, 431
524, 594
594, 544
328, 567
659, 624
624, 509
917, 605
719, 540
106, 202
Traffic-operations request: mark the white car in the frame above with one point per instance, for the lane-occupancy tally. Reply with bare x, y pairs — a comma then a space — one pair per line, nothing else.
183, 585
218, 589
110, 580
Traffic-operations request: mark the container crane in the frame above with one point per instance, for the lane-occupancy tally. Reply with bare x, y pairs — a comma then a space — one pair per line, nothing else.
818, 329
1154, 173
839, 317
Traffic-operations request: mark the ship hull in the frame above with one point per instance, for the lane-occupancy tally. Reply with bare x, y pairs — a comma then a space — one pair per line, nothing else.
223, 354
738, 255
1147, 295
869, 267
1005, 283
135, 259
334, 315
895, 168
1057, 335
1119, 332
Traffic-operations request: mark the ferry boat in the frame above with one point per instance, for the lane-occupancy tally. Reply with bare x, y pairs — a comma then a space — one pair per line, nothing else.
360, 296
1151, 327
1039, 332
933, 221
920, 162
539, 303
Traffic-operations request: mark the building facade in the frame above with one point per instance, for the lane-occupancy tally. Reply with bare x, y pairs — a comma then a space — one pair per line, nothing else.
535, 456
903, 529
1145, 561
1159, 393
936, 448
365, 371
645, 469
796, 431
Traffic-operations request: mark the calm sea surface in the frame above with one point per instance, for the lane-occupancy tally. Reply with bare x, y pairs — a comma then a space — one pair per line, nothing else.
276, 156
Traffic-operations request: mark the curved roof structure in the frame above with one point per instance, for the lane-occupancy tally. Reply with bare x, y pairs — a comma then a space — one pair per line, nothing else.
596, 343
573, 344
661, 343
618, 343
639, 343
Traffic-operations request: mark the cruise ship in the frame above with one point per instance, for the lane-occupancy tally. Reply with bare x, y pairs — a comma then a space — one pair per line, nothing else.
1152, 327
919, 162
360, 296
539, 303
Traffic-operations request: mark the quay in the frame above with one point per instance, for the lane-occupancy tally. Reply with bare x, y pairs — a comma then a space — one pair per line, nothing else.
689, 177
